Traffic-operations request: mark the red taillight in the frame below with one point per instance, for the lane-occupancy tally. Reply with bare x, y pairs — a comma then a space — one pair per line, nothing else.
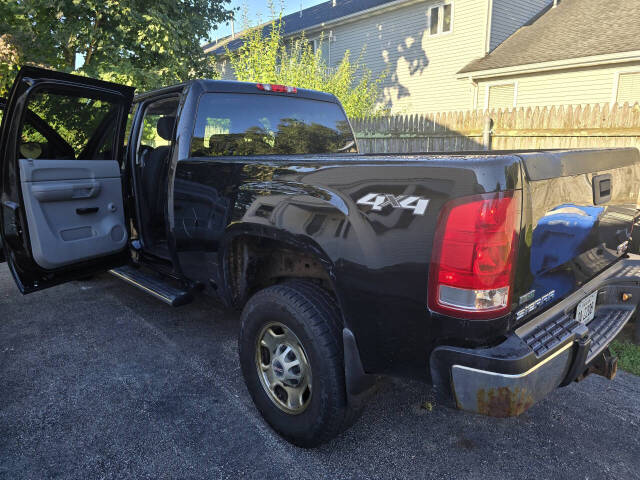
474, 256
266, 87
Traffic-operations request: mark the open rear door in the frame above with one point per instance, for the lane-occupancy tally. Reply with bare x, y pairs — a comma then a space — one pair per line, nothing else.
62, 211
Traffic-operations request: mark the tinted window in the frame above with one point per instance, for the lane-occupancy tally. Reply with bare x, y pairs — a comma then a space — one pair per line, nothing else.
77, 120
153, 134
245, 124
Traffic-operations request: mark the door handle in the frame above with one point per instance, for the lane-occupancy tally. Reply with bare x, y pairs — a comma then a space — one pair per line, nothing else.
86, 211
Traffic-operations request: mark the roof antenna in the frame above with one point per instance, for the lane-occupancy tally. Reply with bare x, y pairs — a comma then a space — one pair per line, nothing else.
300, 9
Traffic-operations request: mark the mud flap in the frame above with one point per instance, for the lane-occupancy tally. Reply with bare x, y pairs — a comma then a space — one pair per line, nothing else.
358, 383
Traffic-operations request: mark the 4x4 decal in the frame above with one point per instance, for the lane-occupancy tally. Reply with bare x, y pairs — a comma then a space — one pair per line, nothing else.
377, 201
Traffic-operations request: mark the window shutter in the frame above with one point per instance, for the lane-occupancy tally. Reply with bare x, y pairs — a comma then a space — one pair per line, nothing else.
629, 88
502, 96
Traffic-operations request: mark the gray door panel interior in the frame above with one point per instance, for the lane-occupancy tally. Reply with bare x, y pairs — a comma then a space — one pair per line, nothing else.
73, 208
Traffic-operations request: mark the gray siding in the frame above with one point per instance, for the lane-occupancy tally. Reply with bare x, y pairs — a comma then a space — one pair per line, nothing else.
509, 15
224, 69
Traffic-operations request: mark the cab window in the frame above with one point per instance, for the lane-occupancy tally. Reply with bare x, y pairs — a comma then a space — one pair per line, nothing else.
256, 124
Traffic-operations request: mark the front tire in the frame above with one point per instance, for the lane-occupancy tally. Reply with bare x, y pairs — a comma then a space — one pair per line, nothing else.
291, 355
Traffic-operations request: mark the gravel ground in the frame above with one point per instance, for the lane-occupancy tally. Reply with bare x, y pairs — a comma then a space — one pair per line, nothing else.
99, 380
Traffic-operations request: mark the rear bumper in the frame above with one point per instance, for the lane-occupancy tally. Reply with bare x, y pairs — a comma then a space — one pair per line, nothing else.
549, 351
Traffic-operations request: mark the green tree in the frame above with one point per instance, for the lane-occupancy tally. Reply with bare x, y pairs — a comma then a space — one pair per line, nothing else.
266, 57
145, 43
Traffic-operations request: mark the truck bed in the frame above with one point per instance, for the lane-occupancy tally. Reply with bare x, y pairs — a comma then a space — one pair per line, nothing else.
380, 257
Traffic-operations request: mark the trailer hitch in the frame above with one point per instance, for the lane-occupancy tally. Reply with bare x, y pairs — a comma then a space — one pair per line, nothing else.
605, 365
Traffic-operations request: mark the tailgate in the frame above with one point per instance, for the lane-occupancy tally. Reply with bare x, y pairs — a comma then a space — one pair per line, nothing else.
579, 208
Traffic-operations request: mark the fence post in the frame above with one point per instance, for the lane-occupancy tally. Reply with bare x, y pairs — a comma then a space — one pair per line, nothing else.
486, 133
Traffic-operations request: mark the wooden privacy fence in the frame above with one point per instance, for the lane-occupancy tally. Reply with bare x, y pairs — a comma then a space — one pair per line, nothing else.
580, 126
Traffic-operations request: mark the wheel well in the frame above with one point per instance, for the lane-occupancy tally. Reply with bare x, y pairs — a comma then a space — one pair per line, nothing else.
254, 263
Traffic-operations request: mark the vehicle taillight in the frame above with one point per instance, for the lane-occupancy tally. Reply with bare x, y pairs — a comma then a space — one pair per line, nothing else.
266, 87
474, 255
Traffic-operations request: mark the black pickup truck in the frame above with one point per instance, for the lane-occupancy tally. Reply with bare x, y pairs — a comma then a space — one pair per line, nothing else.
497, 277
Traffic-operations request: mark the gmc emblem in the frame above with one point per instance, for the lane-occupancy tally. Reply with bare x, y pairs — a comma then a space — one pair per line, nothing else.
377, 201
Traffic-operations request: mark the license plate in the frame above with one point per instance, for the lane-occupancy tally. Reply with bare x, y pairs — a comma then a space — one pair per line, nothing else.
586, 309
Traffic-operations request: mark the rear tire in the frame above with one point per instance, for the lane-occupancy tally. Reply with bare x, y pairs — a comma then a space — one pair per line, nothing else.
291, 354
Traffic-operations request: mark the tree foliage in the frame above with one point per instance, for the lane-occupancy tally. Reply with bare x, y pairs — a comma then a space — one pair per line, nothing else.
267, 57
145, 43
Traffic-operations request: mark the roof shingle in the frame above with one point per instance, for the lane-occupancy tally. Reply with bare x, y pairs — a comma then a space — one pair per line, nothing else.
574, 29
307, 18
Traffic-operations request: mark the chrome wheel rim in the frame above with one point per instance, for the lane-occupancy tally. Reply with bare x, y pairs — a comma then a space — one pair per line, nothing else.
283, 368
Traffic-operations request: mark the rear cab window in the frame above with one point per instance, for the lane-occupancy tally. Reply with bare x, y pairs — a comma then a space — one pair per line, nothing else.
241, 124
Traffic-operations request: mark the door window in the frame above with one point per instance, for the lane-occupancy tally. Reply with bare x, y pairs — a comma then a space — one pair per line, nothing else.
158, 122
79, 128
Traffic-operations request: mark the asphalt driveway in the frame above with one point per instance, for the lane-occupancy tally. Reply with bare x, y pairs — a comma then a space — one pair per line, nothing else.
98, 380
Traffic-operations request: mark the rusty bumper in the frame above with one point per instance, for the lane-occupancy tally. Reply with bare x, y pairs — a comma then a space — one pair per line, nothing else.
550, 351
506, 395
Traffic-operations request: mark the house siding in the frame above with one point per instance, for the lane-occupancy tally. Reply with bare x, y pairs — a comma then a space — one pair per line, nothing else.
566, 87
421, 68
501, 96
507, 16
628, 87
225, 70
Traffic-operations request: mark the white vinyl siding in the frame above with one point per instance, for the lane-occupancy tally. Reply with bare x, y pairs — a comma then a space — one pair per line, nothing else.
566, 87
421, 69
628, 88
501, 96
507, 16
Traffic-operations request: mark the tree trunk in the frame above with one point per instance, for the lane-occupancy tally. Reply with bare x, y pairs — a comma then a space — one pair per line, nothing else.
94, 42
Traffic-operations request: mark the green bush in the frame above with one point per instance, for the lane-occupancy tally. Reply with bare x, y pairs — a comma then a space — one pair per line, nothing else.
270, 58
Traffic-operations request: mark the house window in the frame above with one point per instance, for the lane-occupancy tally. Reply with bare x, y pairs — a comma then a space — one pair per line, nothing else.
440, 19
628, 88
501, 96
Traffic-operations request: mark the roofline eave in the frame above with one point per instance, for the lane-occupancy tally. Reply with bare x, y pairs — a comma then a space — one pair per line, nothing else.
356, 16
318, 27
590, 61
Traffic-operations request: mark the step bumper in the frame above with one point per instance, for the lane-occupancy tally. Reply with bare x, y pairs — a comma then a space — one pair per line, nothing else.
549, 351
